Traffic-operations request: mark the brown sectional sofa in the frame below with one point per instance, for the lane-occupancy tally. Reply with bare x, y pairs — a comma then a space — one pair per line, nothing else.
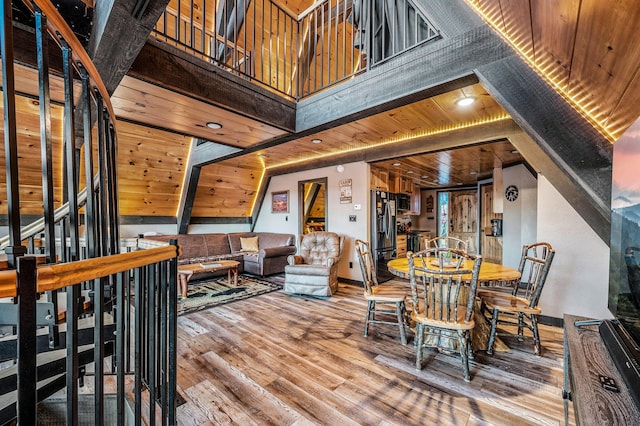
270, 258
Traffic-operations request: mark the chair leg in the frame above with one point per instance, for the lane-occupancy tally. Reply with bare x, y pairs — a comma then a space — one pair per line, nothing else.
419, 344
371, 306
492, 333
400, 314
521, 326
464, 353
537, 349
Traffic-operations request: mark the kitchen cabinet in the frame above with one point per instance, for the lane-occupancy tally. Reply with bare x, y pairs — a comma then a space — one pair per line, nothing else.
379, 179
401, 245
415, 200
403, 185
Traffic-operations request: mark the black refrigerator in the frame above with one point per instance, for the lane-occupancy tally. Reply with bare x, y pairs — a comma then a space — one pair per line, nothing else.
383, 231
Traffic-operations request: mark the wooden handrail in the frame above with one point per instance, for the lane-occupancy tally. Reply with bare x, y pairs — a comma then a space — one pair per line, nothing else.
55, 277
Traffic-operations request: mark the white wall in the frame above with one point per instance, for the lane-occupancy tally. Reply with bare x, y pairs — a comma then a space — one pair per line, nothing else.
168, 229
337, 213
519, 216
578, 280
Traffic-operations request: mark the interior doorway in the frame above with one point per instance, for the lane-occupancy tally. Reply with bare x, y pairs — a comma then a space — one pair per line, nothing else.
313, 205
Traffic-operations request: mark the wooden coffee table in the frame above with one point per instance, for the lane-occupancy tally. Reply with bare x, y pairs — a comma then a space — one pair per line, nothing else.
186, 272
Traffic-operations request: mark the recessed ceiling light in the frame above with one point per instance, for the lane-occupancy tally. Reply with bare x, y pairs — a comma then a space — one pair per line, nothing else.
214, 125
473, 172
515, 151
395, 164
424, 177
316, 140
261, 155
466, 101
410, 172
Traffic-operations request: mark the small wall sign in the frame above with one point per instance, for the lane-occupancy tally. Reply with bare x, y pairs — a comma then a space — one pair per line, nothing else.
345, 191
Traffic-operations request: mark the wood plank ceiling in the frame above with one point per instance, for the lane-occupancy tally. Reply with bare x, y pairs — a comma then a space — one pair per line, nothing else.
587, 46
587, 49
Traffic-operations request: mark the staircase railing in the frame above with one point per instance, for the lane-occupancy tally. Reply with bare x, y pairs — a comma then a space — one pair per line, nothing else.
138, 340
130, 298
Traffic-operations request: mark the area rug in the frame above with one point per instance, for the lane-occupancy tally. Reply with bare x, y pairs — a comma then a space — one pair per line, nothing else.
217, 291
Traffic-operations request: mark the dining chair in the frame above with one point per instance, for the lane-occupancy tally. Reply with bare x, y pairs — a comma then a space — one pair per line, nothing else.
379, 297
443, 301
446, 242
520, 307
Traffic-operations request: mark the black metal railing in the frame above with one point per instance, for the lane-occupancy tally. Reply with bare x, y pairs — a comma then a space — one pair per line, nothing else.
135, 336
117, 310
295, 55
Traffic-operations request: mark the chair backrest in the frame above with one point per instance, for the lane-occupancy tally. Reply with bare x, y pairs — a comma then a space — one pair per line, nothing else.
368, 268
534, 266
317, 247
441, 293
446, 242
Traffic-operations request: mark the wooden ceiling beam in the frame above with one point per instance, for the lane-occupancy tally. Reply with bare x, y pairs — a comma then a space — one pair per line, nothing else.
118, 37
570, 143
168, 67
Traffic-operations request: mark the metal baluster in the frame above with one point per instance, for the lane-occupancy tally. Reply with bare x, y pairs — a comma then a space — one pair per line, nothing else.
27, 370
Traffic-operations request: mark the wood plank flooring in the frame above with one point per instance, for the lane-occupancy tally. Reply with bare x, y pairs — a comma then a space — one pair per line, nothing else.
277, 359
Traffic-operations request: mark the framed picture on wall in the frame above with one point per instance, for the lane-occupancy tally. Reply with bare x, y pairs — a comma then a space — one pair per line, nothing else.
280, 202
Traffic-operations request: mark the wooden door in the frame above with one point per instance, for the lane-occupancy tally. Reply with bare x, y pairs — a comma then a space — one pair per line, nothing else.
490, 246
463, 217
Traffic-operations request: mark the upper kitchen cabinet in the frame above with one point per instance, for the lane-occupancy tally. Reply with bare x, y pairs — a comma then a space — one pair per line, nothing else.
416, 200
403, 185
379, 179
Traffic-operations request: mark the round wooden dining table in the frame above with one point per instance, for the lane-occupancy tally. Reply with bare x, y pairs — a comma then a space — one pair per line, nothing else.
491, 275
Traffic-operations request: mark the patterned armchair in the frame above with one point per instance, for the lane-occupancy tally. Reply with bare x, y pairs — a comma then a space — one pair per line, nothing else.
314, 270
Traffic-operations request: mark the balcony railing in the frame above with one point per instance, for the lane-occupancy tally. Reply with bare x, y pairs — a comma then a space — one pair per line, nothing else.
296, 56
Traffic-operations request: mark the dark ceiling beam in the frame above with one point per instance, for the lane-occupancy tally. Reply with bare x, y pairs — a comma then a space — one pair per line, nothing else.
168, 67
576, 148
118, 35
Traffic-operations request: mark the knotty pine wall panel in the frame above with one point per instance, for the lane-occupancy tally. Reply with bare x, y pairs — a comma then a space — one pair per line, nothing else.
226, 190
151, 167
29, 156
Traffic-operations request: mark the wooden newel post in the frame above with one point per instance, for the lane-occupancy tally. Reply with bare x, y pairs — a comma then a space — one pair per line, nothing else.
27, 286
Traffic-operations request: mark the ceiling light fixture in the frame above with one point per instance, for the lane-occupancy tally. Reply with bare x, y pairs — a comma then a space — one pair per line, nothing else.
316, 140
515, 151
466, 101
473, 172
214, 125
395, 164
410, 172
424, 177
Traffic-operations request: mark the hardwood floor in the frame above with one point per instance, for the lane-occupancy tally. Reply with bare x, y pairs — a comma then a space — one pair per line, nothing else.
292, 360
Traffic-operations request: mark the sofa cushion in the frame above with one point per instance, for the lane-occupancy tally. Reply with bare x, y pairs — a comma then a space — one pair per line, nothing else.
249, 244
217, 244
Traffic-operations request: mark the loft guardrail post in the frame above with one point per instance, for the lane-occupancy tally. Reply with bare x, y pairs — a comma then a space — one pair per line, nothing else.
173, 334
15, 249
27, 371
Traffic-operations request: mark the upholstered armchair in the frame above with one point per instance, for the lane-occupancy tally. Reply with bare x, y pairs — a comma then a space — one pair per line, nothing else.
314, 270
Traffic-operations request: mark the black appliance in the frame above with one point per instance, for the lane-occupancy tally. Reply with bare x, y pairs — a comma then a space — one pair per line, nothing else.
403, 202
383, 231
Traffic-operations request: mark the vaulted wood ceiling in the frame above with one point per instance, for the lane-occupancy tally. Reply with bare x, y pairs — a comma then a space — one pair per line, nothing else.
585, 47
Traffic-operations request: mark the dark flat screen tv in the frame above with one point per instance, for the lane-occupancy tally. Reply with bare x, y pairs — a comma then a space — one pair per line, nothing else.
622, 335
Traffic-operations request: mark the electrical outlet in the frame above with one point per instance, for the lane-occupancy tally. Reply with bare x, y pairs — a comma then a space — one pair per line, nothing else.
352, 218
350, 265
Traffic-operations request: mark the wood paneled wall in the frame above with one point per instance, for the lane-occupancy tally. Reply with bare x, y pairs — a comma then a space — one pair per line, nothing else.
151, 167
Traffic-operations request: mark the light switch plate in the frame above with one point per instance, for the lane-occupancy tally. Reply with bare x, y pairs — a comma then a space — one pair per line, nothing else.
352, 218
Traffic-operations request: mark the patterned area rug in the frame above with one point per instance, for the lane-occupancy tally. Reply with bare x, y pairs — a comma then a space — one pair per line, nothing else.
217, 291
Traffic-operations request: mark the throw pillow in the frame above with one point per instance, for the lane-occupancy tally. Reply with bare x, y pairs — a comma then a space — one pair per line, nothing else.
249, 244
